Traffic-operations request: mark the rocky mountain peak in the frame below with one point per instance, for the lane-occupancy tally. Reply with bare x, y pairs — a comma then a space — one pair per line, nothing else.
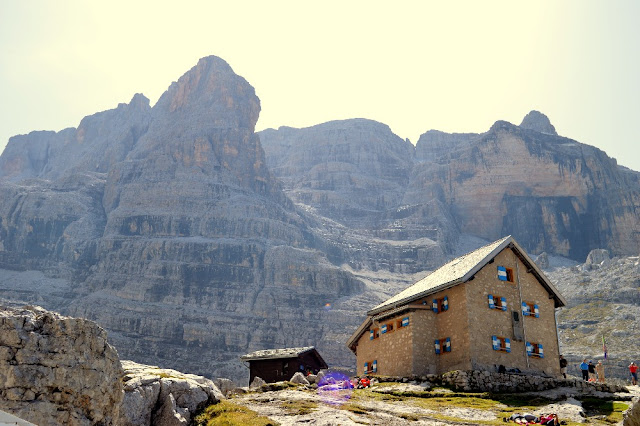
539, 122
213, 92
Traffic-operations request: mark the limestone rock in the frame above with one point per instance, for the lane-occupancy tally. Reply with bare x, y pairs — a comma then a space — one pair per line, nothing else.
257, 383
543, 260
299, 379
177, 239
539, 122
597, 257
163, 396
57, 370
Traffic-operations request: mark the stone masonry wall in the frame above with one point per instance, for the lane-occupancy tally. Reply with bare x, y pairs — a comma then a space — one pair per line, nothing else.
489, 322
451, 323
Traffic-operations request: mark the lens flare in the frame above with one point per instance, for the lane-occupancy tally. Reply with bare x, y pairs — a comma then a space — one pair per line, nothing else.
335, 388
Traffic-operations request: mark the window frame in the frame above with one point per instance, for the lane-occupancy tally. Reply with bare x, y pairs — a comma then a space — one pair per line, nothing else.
441, 306
502, 341
535, 350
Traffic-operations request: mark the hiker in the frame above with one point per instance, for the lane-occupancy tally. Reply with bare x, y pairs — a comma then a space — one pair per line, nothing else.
549, 419
600, 371
563, 366
522, 419
592, 371
633, 369
584, 368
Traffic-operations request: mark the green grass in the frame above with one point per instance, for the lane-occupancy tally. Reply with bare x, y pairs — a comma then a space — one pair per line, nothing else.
299, 408
226, 413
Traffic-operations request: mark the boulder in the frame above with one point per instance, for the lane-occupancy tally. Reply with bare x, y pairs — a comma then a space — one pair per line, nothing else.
162, 396
257, 383
597, 257
543, 260
57, 370
299, 379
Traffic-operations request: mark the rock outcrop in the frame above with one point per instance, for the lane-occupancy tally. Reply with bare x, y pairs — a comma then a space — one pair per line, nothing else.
57, 370
539, 122
155, 396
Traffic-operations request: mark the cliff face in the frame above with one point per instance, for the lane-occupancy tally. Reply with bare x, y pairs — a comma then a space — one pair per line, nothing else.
175, 237
552, 193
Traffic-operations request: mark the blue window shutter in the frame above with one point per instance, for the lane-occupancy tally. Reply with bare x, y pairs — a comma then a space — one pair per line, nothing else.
491, 304
447, 344
384, 329
529, 348
405, 321
445, 304
525, 309
375, 365
366, 366
502, 273
507, 344
437, 346
496, 345
536, 311
434, 306
371, 335
540, 351
504, 303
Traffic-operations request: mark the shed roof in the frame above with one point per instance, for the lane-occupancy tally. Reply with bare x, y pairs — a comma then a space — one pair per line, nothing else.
277, 353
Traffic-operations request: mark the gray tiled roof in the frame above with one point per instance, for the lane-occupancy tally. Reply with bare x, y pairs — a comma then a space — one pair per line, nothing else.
452, 272
276, 353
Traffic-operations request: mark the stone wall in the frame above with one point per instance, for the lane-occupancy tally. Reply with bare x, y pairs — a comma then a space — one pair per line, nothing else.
485, 381
489, 322
57, 370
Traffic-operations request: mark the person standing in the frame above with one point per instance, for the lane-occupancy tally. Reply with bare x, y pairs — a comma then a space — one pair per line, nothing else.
600, 371
563, 366
633, 369
592, 372
584, 368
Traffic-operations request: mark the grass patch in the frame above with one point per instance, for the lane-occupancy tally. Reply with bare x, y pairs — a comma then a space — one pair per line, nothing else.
299, 408
226, 413
439, 403
354, 408
611, 411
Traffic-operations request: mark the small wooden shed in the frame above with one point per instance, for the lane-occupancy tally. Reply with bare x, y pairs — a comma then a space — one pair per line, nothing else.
274, 365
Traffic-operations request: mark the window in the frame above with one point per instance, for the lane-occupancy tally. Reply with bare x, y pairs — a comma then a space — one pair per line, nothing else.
501, 344
530, 309
371, 367
535, 350
442, 345
505, 274
440, 305
404, 322
497, 302
374, 333
387, 328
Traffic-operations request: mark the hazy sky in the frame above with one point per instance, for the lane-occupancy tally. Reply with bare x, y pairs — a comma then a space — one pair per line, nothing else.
455, 66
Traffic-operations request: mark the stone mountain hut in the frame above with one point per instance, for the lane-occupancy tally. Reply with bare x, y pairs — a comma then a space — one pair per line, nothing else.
274, 365
489, 308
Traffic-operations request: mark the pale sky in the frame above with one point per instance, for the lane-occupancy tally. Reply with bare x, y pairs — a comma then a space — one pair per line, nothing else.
455, 66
